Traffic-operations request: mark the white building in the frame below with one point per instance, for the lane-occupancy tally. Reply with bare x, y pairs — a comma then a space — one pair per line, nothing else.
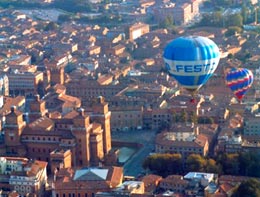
23, 176
203, 178
252, 126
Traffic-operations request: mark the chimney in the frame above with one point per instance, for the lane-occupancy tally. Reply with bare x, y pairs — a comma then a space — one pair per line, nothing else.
13, 108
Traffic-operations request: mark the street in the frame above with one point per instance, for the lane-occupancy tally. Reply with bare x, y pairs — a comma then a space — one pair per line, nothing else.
133, 167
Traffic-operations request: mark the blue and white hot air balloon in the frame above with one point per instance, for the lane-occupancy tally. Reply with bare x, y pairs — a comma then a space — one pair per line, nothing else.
191, 61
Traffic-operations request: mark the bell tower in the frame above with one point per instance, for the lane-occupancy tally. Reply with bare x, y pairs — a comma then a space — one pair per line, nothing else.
81, 129
102, 115
13, 130
37, 109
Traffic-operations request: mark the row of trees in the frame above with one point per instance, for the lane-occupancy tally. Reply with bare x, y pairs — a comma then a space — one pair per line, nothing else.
250, 188
244, 164
232, 21
224, 3
232, 164
67, 5
184, 116
218, 19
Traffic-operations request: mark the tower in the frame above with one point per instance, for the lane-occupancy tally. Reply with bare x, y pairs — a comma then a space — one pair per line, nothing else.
81, 130
102, 115
37, 108
57, 75
13, 130
96, 144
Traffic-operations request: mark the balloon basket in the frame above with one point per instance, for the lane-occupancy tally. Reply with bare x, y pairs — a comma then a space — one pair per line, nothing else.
193, 100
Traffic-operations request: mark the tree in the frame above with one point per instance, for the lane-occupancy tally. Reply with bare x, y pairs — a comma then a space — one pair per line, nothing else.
212, 167
230, 56
224, 3
217, 19
173, 164
212, 19
51, 26
64, 18
184, 116
229, 163
163, 164
196, 163
194, 118
248, 188
206, 120
234, 20
249, 164
174, 117
233, 30
167, 23
245, 13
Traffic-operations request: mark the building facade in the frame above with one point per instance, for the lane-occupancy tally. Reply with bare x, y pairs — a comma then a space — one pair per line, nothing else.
86, 182
252, 126
23, 176
86, 135
4, 85
184, 143
24, 83
136, 30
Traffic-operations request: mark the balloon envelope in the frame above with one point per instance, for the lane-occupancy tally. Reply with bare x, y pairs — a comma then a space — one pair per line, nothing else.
239, 80
191, 60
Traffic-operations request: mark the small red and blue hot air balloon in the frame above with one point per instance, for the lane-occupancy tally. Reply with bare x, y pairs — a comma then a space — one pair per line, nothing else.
239, 80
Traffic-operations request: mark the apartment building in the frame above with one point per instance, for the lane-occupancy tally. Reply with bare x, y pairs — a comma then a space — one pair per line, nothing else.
184, 143
137, 30
126, 118
252, 126
174, 183
181, 12
24, 83
23, 176
89, 89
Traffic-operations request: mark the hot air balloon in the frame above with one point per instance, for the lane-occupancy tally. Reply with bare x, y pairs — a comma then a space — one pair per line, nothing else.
239, 80
191, 60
